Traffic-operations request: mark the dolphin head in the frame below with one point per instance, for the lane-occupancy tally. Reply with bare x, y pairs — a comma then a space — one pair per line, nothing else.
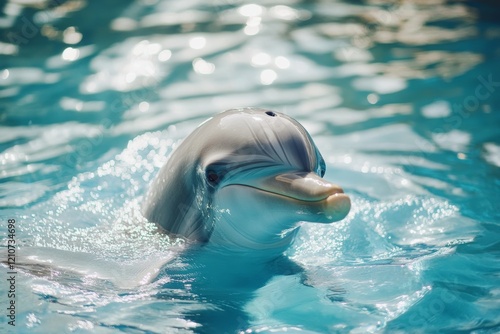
243, 180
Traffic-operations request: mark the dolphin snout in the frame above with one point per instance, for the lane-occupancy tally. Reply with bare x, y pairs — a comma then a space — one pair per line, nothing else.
336, 207
306, 186
319, 200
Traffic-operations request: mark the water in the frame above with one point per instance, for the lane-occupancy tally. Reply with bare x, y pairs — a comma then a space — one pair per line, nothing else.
400, 97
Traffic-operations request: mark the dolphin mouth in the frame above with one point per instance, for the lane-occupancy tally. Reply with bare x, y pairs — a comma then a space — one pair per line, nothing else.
314, 198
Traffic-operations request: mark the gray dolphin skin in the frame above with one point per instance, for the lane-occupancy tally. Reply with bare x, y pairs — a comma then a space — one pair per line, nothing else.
242, 182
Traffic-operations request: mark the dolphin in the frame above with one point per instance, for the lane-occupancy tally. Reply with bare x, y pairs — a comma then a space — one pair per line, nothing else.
242, 182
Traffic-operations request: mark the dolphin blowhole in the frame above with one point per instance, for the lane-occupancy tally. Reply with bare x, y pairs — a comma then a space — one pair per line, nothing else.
271, 113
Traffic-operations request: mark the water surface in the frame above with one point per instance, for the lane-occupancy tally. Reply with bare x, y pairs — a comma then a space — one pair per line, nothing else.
400, 97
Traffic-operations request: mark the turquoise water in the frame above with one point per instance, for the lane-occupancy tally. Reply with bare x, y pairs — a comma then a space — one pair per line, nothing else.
401, 98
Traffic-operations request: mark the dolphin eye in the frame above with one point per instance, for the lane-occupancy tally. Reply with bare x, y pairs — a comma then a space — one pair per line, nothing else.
212, 177
214, 174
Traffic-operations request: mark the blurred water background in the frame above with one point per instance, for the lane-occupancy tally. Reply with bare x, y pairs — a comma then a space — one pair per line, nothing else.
401, 97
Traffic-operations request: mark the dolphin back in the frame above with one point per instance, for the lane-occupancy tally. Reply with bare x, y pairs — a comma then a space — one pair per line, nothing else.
174, 202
